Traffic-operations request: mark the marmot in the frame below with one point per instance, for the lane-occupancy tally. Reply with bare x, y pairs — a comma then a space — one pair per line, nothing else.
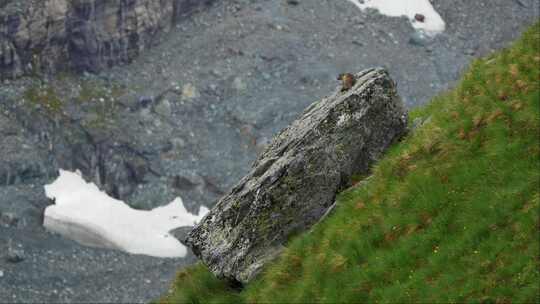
347, 81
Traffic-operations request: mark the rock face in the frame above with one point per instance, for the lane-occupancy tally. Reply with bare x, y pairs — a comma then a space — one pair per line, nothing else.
295, 180
81, 35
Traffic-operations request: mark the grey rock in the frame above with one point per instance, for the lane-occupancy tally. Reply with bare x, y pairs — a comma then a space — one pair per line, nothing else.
181, 233
469, 52
294, 182
417, 123
185, 183
164, 108
145, 101
190, 91
15, 255
216, 73
293, 2
418, 38
522, 3
239, 84
8, 219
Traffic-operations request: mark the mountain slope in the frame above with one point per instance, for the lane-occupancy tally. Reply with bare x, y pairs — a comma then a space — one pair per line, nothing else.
449, 215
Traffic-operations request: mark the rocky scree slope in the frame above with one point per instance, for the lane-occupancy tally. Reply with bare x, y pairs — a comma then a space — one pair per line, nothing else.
82, 35
294, 181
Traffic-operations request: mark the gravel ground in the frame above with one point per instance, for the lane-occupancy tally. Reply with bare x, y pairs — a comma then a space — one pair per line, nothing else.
197, 109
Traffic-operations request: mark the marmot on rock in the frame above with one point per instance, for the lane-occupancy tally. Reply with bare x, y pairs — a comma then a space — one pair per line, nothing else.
347, 81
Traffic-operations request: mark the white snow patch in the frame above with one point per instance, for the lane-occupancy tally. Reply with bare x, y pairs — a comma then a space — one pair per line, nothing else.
85, 214
432, 25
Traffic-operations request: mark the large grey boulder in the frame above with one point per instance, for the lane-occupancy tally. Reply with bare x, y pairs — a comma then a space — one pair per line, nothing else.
295, 180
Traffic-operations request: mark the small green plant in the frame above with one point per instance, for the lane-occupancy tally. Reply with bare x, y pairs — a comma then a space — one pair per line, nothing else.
93, 91
102, 100
201, 286
45, 97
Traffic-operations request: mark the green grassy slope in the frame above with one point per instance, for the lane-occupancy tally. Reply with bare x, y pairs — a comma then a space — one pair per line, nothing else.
451, 214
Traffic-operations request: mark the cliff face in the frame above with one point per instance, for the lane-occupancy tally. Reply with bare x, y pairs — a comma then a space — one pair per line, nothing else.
81, 35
